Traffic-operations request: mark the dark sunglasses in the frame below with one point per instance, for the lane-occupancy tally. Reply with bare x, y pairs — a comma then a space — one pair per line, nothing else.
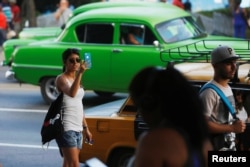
74, 60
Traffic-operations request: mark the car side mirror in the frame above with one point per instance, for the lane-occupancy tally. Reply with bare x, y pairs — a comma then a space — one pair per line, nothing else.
157, 44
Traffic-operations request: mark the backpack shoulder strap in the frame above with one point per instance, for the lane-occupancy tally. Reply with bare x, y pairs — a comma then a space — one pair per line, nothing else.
223, 97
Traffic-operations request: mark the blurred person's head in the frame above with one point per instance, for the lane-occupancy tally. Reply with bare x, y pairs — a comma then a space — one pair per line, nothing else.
165, 98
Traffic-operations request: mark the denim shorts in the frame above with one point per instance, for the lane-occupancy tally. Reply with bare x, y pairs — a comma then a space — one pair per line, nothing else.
70, 139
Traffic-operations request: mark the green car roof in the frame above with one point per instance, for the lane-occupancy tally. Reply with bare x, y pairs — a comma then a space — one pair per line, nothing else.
153, 15
97, 5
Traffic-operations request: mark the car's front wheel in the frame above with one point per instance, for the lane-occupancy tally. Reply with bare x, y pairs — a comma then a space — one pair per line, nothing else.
120, 157
48, 89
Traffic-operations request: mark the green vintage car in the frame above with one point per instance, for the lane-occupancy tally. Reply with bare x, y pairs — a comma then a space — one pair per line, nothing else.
102, 32
28, 35
39, 33
48, 32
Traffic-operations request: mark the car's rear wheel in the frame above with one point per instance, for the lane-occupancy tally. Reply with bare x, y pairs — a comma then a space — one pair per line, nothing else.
48, 89
120, 157
104, 94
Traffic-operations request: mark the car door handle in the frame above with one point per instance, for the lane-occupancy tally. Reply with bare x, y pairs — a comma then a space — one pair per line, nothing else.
117, 50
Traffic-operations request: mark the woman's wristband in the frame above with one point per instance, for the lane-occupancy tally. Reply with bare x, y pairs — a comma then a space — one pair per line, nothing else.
85, 127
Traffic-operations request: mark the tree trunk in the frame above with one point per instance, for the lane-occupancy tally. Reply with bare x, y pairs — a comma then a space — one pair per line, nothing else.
28, 13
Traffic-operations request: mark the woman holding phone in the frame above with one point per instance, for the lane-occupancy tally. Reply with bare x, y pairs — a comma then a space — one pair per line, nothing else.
74, 122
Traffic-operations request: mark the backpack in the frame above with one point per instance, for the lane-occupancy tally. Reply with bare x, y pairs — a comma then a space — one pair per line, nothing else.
52, 126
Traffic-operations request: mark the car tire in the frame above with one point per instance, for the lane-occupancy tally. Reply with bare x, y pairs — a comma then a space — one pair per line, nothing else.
104, 94
120, 157
48, 89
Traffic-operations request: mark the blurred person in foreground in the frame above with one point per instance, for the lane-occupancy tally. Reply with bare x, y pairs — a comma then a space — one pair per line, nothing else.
178, 134
221, 123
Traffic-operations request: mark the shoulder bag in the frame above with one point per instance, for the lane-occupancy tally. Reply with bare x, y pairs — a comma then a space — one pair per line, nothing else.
52, 126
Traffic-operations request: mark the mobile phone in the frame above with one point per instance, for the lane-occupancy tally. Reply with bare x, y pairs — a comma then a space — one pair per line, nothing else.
90, 142
87, 60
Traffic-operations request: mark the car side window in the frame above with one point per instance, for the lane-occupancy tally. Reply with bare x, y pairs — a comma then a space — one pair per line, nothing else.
136, 34
95, 33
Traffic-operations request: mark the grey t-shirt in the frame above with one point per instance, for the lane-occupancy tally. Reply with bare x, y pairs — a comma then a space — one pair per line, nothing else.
64, 16
214, 106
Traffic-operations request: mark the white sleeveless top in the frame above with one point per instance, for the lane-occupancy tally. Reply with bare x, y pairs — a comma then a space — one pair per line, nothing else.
73, 111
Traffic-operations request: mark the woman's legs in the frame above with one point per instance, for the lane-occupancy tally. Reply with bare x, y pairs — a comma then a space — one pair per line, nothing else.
70, 156
70, 144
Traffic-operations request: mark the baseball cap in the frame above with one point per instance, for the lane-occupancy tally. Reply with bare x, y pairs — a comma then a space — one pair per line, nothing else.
223, 53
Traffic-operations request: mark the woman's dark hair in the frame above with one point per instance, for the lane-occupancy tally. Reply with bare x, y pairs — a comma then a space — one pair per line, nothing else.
67, 53
171, 93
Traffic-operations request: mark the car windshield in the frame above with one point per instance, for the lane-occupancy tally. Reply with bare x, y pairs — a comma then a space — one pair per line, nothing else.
179, 29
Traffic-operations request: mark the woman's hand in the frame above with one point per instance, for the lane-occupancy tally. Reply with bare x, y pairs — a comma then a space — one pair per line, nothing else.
88, 136
82, 67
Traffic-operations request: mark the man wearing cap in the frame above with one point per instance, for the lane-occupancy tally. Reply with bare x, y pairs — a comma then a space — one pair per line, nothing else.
220, 121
